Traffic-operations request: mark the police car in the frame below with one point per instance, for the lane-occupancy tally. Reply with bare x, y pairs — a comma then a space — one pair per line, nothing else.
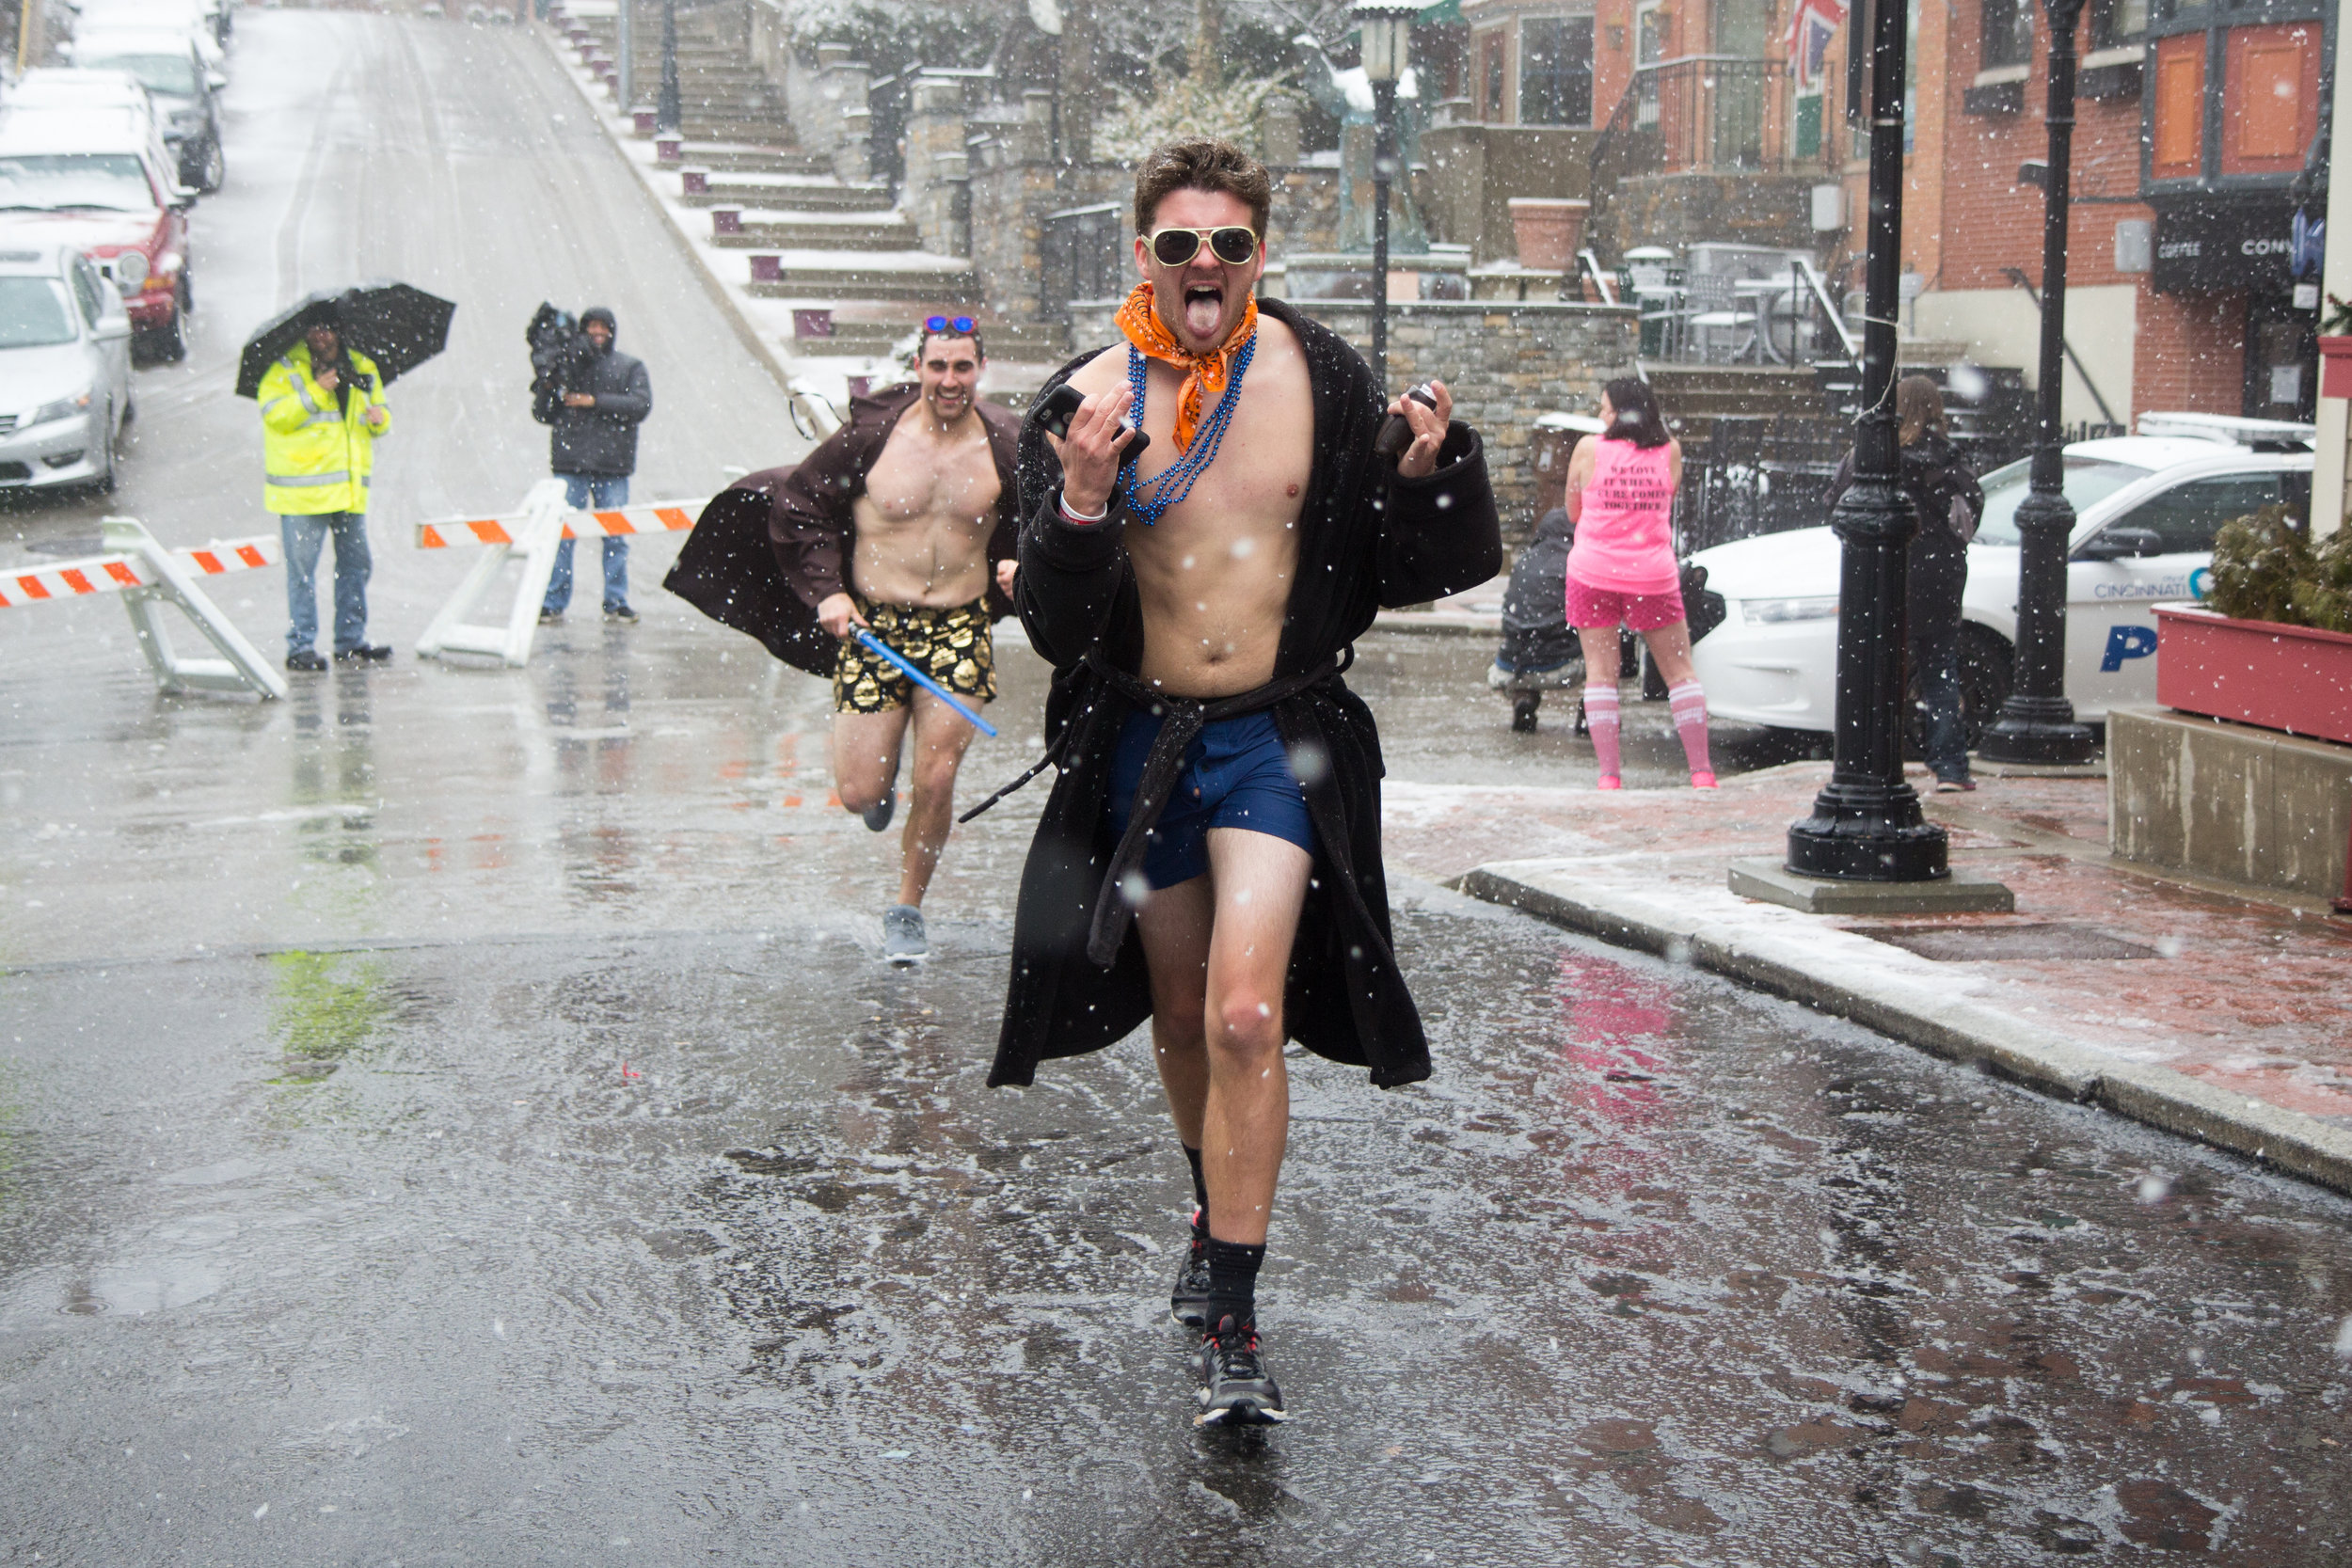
2147, 507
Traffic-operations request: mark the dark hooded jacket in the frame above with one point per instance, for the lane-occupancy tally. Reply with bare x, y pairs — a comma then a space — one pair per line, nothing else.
1935, 478
1536, 630
600, 441
1366, 539
775, 544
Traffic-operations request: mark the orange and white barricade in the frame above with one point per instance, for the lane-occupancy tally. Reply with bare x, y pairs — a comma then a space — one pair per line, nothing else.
148, 577
533, 534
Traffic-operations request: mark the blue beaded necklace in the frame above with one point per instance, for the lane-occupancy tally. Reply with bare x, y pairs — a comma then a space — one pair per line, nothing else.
1174, 483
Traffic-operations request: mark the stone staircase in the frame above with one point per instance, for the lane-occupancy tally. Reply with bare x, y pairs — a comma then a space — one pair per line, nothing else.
847, 260
1694, 396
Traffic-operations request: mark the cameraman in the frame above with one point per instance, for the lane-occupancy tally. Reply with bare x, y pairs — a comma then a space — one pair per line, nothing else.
596, 403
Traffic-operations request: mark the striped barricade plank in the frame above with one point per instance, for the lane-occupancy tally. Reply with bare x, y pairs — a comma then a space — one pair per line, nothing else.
111, 573
621, 523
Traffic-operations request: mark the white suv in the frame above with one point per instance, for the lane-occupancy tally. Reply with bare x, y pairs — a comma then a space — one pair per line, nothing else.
2146, 508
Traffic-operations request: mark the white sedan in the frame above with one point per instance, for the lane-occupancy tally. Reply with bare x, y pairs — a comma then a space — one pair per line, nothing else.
2146, 508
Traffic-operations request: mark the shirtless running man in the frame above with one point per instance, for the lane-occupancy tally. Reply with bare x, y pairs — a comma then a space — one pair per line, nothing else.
899, 523
1196, 606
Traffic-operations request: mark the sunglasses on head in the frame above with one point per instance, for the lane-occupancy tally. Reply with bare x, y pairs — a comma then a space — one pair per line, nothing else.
961, 325
1234, 245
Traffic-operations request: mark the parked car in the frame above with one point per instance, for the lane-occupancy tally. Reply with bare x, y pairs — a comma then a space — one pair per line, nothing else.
186, 90
2147, 507
64, 367
62, 87
196, 17
102, 182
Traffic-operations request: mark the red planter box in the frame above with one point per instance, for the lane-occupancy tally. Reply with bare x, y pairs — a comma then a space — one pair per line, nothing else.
2293, 678
2335, 367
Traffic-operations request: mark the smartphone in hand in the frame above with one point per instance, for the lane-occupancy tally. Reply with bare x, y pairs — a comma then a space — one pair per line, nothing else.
1060, 405
1396, 433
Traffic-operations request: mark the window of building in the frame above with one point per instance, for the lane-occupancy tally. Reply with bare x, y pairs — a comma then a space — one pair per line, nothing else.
2177, 138
1557, 70
1493, 77
2117, 23
2008, 34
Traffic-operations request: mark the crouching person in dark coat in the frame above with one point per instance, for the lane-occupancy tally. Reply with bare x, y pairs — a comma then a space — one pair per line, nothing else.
1210, 857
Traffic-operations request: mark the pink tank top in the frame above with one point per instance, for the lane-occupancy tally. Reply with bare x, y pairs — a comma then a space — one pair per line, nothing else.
1625, 536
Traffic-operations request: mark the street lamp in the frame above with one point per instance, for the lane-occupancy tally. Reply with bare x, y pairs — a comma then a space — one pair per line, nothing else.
1386, 31
2037, 722
669, 114
1866, 825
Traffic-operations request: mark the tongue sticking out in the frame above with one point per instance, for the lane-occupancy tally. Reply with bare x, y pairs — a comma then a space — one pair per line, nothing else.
1204, 311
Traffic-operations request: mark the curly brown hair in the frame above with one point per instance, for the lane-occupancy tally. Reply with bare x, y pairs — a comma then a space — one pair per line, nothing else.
1202, 164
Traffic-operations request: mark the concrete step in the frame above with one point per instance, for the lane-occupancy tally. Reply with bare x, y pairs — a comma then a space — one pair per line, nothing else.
749, 159
932, 282
1707, 390
788, 203
1023, 342
812, 230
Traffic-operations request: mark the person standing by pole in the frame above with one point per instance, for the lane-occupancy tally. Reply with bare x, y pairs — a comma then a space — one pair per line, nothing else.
1949, 501
322, 412
595, 409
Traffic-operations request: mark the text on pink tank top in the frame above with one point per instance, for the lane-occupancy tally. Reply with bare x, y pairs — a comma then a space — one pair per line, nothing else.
1625, 532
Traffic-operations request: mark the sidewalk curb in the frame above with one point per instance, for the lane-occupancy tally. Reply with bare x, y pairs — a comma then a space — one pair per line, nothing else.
1812, 971
713, 285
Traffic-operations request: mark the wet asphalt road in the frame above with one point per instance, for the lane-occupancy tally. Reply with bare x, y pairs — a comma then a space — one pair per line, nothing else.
455, 1116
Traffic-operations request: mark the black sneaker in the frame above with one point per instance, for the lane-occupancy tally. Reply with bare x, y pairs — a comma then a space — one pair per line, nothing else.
364, 653
306, 660
1188, 1303
550, 617
1235, 1388
623, 614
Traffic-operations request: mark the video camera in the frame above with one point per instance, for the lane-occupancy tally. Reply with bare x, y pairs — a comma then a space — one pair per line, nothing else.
558, 351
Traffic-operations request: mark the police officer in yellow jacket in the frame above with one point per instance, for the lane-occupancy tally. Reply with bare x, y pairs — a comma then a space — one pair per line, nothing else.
322, 411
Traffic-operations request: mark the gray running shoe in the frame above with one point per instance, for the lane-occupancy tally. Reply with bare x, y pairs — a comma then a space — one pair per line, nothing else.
1235, 1387
903, 941
877, 816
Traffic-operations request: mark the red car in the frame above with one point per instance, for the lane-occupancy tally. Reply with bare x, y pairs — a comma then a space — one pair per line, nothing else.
102, 182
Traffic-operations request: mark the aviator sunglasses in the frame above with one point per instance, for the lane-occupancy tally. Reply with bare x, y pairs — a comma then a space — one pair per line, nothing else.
1234, 245
961, 325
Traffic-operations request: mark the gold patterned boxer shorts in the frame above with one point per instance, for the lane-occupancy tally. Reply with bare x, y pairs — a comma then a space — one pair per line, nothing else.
954, 646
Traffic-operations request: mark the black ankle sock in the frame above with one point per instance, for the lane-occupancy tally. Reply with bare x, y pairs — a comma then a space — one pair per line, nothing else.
1233, 1281
1199, 1195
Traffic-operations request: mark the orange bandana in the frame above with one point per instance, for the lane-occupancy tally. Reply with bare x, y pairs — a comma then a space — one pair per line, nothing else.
1206, 375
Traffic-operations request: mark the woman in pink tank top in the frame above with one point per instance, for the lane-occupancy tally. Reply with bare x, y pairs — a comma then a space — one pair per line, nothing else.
1622, 570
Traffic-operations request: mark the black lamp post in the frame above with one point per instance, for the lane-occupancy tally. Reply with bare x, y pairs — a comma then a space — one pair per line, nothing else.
2037, 722
669, 114
1866, 825
1387, 36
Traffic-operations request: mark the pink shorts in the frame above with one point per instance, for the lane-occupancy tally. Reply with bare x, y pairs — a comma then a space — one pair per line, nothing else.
1599, 609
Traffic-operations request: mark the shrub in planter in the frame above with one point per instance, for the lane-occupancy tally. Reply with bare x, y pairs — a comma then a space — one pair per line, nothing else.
2264, 569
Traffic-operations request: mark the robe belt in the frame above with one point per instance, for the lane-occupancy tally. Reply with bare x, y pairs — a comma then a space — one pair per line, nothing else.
1185, 717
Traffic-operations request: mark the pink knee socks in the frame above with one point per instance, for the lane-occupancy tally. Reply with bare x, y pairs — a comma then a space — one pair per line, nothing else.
1687, 702
1600, 717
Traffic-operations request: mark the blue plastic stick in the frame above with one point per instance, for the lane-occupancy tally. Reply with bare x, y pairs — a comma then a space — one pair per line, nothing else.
923, 680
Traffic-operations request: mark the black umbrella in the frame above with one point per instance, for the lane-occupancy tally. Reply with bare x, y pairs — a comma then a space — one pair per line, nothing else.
398, 327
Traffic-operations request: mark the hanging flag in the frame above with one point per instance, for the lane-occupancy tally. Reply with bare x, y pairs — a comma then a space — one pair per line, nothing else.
1812, 25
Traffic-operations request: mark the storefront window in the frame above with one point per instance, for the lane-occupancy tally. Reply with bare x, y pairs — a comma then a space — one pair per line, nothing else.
1557, 70
2008, 34
2116, 23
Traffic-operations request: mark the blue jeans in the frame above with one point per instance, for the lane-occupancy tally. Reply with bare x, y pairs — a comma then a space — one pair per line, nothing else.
304, 537
580, 492
1935, 658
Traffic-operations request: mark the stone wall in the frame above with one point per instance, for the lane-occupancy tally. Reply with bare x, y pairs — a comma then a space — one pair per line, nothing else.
1506, 364
1473, 171
2227, 801
1677, 210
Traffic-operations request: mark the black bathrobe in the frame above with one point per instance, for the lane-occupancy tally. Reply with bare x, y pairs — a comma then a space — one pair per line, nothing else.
1367, 538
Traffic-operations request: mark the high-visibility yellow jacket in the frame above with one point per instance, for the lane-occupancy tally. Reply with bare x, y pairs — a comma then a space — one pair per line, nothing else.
316, 457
